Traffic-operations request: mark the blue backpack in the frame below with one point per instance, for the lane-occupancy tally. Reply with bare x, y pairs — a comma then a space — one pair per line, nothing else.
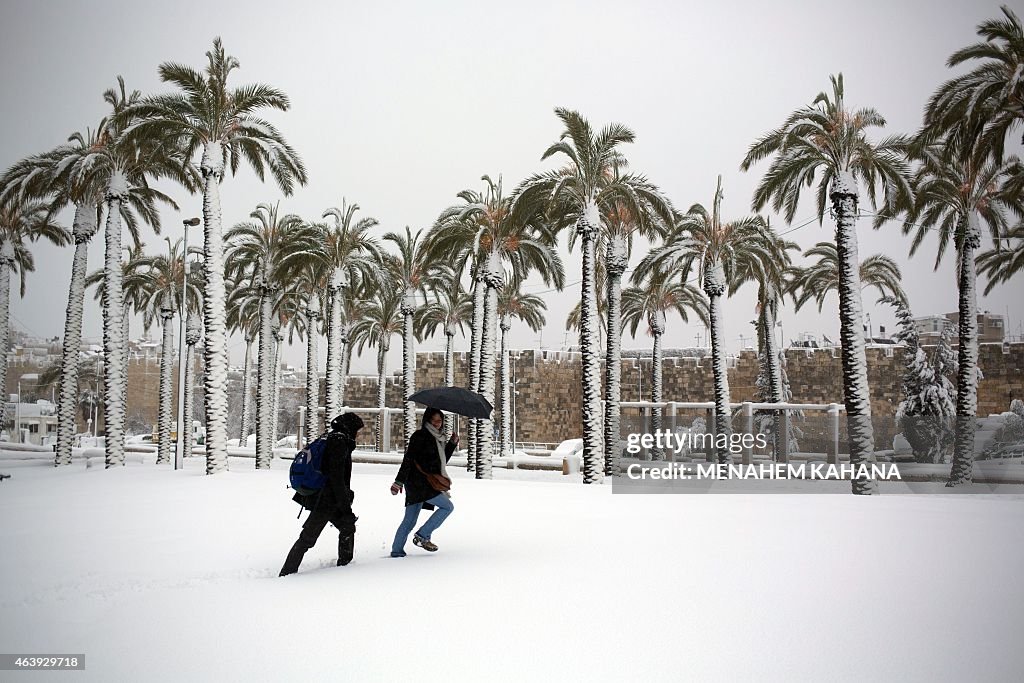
305, 474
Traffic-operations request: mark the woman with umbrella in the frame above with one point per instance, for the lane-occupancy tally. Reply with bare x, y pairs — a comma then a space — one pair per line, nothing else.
424, 477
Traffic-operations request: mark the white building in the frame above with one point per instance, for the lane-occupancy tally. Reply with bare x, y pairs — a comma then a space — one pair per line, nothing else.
34, 423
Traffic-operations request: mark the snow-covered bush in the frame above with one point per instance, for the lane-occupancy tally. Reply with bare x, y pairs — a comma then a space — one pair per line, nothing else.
926, 413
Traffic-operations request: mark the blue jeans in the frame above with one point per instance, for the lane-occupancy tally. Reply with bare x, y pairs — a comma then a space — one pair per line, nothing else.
444, 507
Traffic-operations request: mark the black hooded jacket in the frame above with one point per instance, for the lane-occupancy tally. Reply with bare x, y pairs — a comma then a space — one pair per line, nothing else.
336, 495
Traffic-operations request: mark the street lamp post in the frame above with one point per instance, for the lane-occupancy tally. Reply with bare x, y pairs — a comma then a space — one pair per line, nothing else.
180, 446
17, 414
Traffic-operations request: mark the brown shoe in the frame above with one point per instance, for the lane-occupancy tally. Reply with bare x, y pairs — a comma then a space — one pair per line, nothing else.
424, 543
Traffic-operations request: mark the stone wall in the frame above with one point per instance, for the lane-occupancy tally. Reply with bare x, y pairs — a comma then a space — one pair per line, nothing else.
549, 400
550, 396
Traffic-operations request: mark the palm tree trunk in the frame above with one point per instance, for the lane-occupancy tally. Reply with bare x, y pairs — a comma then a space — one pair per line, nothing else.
408, 364
723, 416
187, 407
771, 351
506, 392
332, 395
382, 395
967, 357
345, 352
593, 467
485, 426
166, 406
275, 421
126, 358
114, 384
479, 294
312, 376
616, 259
6, 264
264, 384
773, 371
851, 330
84, 229
449, 373
656, 382
215, 351
246, 394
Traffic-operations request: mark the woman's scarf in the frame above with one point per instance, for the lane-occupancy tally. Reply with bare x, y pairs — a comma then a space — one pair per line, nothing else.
439, 438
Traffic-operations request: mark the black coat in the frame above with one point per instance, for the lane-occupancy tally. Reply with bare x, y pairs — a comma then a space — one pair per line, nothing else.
336, 495
422, 451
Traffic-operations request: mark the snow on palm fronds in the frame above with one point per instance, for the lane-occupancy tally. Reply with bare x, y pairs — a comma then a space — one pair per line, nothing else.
825, 143
219, 124
574, 197
487, 234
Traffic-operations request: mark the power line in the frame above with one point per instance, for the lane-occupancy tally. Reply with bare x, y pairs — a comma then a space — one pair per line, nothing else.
925, 227
690, 280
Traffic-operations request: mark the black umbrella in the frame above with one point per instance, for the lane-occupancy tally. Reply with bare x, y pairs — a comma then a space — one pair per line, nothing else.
454, 400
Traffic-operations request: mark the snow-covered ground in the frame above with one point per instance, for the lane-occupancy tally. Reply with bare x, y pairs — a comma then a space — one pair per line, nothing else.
159, 575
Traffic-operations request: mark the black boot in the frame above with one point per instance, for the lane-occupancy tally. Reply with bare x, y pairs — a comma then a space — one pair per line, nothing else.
294, 559
346, 548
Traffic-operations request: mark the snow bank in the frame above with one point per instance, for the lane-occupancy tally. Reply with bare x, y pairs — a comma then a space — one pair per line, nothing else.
159, 575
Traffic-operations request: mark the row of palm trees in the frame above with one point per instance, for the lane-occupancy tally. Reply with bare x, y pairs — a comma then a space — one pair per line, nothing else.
286, 274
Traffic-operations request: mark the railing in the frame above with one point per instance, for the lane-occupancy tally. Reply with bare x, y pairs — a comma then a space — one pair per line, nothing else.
747, 412
828, 434
381, 419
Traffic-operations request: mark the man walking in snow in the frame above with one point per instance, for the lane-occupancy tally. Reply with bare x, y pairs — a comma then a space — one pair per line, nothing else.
333, 503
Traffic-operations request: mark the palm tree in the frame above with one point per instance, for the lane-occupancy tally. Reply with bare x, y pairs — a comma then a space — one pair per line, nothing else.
454, 235
816, 281
514, 304
44, 176
655, 293
409, 270
289, 317
575, 196
272, 250
979, 109
243, 315
87, 395
495, 235
205, 114
720, 250
351, 253
450, 309
621, 224
127, 163
311, 324
828, 142
21, 221
772, 278
954, 194
160, 294
381, 319
131, 290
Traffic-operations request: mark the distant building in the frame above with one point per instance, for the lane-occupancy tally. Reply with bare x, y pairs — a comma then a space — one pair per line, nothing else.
991, 328
34, 423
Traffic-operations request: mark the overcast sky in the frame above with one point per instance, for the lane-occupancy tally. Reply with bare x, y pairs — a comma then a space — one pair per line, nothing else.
398, 106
